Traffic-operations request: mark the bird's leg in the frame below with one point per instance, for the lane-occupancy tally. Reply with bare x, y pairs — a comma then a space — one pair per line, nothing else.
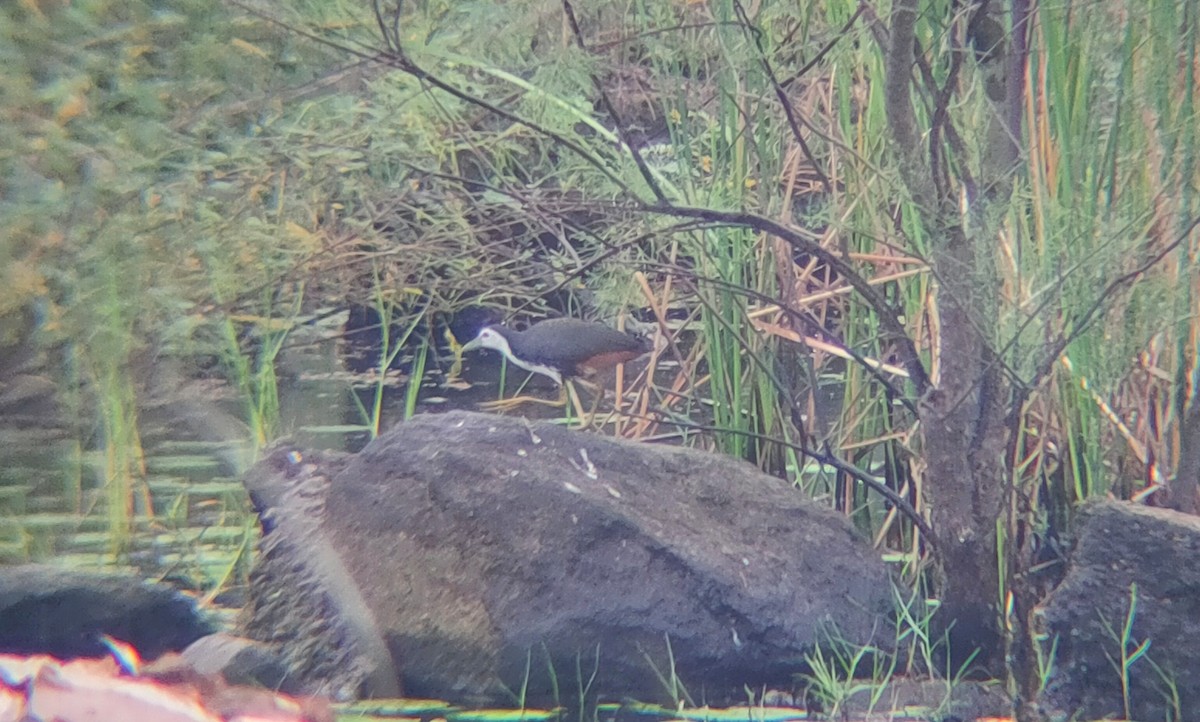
591, 417
584, 421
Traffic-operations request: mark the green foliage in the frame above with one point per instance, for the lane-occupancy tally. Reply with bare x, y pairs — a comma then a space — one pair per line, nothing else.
117, 204
837, 674
1129, 650
390, 348
673, 687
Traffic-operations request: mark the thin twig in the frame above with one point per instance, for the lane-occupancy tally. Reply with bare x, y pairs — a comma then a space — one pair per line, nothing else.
622, 130
400, 61
862, 6
888, 318
822, 457
784, 103
1081, 322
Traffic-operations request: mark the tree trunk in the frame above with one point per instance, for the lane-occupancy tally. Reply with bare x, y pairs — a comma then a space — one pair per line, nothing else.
963, 420
1185, 489
964, 440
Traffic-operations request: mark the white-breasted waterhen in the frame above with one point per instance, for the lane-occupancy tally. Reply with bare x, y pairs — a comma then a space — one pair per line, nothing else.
560, 349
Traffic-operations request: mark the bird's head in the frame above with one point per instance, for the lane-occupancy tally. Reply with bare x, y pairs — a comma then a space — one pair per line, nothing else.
489, 337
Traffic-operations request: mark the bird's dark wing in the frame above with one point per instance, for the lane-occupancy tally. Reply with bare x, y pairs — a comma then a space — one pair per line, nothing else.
568, 344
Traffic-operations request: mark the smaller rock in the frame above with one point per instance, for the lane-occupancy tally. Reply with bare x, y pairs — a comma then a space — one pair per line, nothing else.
63, 613
1118, 545
241, 662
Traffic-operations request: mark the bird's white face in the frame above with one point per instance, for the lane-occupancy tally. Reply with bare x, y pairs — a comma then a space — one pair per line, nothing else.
489, 338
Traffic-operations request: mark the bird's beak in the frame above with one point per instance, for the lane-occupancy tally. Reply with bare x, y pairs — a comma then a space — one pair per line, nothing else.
470, 346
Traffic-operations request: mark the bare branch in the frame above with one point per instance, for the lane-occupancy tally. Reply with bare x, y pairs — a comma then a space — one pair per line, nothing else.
862, 6
784, 102
898, 65
611, 109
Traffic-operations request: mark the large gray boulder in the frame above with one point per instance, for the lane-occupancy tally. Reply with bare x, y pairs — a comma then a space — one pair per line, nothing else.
490, 553
1119, 545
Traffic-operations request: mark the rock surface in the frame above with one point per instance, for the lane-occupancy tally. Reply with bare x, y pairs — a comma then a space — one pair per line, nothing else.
62, 613
240, 662
303, 601
493, 554
1118, 545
